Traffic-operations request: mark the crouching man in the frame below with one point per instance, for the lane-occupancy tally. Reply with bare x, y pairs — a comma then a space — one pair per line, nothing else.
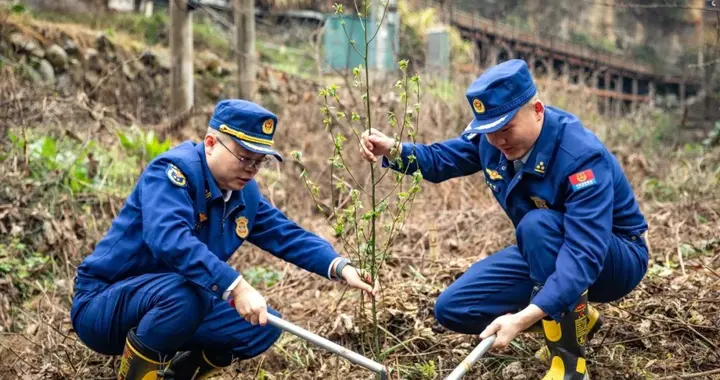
156, 287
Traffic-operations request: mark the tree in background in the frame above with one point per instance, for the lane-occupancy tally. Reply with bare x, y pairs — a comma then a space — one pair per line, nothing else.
245, 34
181, 52
245, 51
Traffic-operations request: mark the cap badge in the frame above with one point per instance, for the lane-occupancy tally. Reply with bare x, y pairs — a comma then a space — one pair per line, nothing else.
478, 106
268, 126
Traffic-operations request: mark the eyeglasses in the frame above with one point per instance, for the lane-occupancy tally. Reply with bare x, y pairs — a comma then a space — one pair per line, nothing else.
244, 161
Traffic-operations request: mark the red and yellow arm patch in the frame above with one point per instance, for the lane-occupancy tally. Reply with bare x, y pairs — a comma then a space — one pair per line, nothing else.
583, 179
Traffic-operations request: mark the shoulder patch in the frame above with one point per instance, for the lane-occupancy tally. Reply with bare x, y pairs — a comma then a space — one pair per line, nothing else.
583, 179
176, 176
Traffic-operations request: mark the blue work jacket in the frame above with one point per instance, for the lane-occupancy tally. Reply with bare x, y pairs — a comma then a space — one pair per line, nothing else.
176, 221
568, 170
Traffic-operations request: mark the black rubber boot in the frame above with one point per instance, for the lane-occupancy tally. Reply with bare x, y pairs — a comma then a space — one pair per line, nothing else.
195, 365
140, 362
566, 343
595, 322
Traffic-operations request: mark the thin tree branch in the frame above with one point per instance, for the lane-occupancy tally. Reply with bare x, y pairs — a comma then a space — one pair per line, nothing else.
650, 6
692, 375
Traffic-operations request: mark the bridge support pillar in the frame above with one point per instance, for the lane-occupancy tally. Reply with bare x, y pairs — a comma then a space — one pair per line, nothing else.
586, 77
549, 67
595, 80
682, 93
492, 57
531, 64
594, 84
619, 101
608, 88
565, 72
477, 56
634, 104
651, 93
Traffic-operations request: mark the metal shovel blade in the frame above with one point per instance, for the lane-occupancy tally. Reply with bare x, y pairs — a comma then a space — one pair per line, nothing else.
476, 353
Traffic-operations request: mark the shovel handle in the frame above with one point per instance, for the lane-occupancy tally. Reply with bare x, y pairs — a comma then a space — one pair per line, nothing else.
326, 344
475, 354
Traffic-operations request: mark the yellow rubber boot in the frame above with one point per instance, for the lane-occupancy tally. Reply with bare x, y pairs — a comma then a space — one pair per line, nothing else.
595, 322
139, 362
566, 343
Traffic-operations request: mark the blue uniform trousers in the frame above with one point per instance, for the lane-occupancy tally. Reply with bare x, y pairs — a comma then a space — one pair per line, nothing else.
170, 313
503, 282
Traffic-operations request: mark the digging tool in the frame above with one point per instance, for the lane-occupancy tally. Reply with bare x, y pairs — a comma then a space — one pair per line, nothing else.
476, 353
326, 344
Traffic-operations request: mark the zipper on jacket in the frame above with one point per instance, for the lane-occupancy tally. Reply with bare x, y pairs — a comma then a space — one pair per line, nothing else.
224, 218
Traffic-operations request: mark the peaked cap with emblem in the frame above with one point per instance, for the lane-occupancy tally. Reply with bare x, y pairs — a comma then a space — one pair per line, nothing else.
497, 95
249, 124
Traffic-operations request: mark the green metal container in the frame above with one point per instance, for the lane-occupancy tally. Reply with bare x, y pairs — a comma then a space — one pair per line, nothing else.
340, 54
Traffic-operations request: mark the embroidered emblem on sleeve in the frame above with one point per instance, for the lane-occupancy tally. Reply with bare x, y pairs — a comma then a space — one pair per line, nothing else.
583, 179
176, 176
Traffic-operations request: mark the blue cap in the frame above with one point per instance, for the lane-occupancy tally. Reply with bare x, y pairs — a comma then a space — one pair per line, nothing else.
497, 95
249, 124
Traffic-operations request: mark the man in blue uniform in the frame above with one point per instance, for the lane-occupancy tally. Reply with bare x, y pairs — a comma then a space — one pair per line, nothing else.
578, 226
158, 282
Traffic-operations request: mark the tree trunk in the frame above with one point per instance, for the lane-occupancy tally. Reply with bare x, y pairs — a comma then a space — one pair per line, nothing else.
701, 62
181, 51
245, 47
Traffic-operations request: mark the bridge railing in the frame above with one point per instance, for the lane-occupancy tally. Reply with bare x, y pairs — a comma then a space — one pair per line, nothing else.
559, 45
473, 21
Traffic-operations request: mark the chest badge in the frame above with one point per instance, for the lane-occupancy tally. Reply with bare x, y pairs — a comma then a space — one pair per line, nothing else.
202, 217
539, 202
493, 174
241, 227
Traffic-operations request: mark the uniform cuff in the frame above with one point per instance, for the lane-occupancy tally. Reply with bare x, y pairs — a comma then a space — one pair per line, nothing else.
550, 305
330, 271
386, 163
404, 148
232, 286
223, 280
